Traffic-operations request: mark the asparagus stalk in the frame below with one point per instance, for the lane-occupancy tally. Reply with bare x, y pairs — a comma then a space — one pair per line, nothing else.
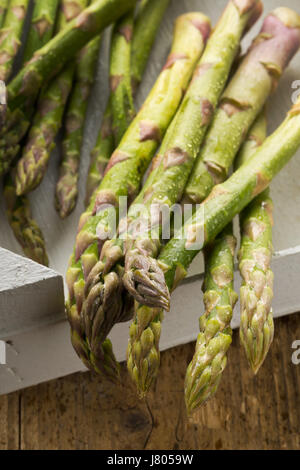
205, 371
128, 164
48, 62
146, 25
3, 8
42, 26
25, 229
257, 325
67, 185
10, 36
18, 209
178, 155
32, 167
225, 201
120, 109
120, 80
33, 164
100, 154
150, 13
242, 101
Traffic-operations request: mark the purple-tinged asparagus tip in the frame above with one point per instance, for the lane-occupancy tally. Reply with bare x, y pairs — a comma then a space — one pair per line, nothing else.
145, 281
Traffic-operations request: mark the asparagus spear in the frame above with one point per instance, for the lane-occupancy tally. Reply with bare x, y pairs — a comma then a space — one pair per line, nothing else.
32, 167
46, 63
150, 13
120, 109
120, 80
25, 229
129, 162
242, 101
67, 185
41, 28
146, 25
18, 208
179, 152
205, 371
100, 154
257, 325
3, 8
226, 200
10, 36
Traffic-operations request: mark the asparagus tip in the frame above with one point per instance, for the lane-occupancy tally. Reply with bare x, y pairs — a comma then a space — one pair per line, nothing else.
145, 281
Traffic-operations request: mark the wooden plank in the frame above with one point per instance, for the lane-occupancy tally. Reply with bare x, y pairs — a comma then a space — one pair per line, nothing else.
9, 422
31, 295
83, 412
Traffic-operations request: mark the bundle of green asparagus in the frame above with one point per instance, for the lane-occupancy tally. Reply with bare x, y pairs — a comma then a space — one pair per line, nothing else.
25, 228
233, 118
179, 148
122, 178
32, 167
204, 116
46, 63
102, 301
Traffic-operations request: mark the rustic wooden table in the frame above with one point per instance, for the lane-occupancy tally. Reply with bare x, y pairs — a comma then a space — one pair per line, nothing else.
81, 412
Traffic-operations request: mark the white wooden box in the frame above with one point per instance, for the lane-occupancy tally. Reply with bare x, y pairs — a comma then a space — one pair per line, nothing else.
32, 321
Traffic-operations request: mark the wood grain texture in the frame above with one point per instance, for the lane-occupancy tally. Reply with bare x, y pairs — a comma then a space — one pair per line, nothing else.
81, 412
9, 421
